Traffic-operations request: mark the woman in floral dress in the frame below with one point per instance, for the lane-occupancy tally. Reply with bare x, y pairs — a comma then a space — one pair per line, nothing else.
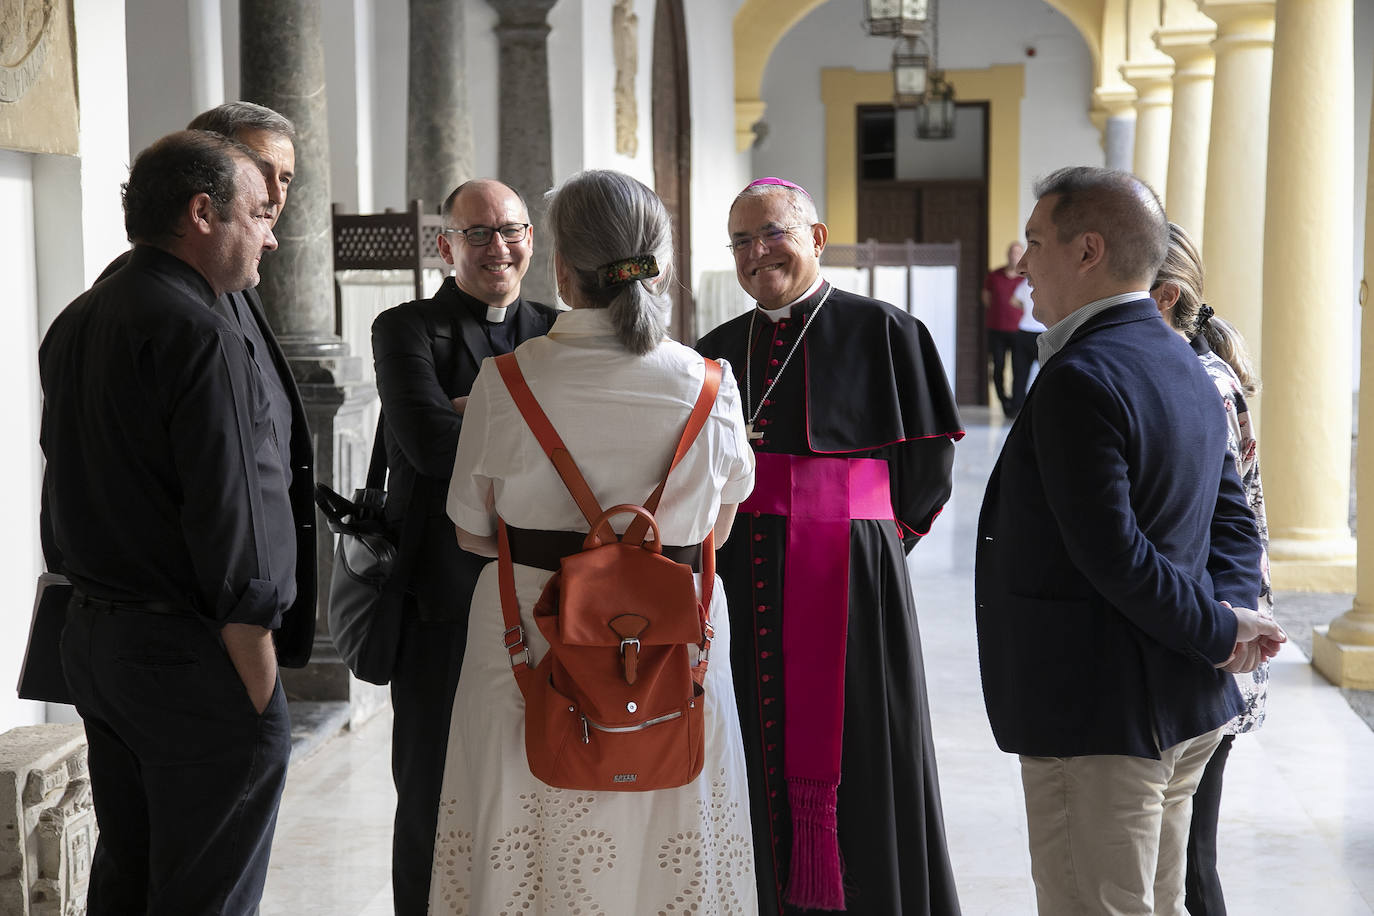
1178, 292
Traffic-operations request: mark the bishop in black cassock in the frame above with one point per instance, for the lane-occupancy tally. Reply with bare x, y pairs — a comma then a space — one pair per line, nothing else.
853, 426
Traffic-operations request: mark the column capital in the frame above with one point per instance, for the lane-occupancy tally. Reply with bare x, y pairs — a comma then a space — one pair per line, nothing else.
1241, 20
1113, 101
522, 13
1191, 50
1152, 81
748, 112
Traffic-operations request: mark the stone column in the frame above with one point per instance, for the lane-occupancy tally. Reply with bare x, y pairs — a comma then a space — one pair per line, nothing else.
282, 61
1344, 652
526, 128
439, 153
1194, 65
1233, 217
1153, 84
1307, 266
1114, 115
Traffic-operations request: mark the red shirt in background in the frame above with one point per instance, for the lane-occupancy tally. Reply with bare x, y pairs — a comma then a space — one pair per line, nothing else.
1002, 314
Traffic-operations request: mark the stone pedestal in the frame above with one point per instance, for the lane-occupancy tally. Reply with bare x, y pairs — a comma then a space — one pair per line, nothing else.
439, 154
47, 823
1344, 652
526, 146
341, 408
1191, 49
1306, 359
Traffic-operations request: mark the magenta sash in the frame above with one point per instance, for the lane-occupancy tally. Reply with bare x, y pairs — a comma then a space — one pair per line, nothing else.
819, 497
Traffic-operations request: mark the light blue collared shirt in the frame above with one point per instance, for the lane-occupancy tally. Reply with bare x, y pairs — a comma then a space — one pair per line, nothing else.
1052, 340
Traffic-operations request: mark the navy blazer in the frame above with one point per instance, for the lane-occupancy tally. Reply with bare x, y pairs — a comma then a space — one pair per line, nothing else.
1112, 527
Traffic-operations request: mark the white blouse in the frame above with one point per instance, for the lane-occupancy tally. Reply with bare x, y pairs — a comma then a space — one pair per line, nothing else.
620, 416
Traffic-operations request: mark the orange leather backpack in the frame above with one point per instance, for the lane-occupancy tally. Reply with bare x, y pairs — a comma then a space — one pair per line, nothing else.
616, 703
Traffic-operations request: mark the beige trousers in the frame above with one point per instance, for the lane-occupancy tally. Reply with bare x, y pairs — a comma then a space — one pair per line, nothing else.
1109, 834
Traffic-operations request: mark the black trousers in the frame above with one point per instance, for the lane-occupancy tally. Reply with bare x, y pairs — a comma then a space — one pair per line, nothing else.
1201, 883
1024, 354
186, 776
1001, 345
428, 663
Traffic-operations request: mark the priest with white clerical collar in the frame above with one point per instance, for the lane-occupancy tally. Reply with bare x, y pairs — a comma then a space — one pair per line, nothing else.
853, 426
427, 354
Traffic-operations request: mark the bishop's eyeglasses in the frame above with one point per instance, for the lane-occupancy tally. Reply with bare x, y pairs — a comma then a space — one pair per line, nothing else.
481, 236
769, 237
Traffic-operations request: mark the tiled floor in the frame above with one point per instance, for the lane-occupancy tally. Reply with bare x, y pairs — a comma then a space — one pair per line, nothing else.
1297, 833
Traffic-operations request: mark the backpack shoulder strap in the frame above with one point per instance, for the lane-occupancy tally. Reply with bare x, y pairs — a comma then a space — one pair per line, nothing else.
701, 410
548, 437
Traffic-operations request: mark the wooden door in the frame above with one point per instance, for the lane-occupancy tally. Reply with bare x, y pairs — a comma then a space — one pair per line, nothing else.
940, 211
672, 129
956, 211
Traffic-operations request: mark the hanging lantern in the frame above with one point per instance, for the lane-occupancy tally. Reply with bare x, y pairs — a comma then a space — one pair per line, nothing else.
910, 67
895, 17
935, 115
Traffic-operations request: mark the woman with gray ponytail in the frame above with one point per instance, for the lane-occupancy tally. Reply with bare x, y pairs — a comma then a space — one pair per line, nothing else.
1177, 291
618, 393
613, 249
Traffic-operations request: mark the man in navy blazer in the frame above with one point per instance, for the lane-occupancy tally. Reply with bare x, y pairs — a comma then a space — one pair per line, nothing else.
1116, 563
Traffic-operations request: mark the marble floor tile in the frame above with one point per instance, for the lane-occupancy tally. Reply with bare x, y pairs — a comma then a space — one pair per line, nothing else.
1297, 831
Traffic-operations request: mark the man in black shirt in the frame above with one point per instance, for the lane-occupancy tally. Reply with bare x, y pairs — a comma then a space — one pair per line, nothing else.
427, 355
166, 504
271, 136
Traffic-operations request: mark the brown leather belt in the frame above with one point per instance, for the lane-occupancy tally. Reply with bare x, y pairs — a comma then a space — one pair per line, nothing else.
544, 549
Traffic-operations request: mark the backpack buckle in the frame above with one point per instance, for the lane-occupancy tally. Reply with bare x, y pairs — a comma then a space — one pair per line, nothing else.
516, 647
629, 652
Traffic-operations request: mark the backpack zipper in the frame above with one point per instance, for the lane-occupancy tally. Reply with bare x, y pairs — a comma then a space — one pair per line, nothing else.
588, 724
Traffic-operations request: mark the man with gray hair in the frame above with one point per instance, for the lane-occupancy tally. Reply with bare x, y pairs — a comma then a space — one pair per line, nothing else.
853, 428
165, 503
1117, 560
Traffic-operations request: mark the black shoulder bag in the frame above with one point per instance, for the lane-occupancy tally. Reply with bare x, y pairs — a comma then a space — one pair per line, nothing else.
371, 569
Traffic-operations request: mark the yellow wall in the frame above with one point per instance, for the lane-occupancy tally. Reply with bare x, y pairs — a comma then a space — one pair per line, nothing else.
1002, 86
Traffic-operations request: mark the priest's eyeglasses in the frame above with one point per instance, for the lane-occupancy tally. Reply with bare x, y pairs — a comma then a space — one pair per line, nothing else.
481, 236
769, 238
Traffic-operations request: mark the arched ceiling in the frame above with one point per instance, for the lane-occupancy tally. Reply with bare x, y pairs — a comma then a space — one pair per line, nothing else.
761, 24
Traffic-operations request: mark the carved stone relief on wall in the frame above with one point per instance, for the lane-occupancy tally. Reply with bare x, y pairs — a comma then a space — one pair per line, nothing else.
625, 46
38, 105
47, 823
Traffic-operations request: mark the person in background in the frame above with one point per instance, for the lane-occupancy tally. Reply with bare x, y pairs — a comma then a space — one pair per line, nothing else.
427, 354
1001, 317
1178, 291
1025, 354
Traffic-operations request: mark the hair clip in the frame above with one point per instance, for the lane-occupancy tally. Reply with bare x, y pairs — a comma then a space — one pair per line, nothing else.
1204, 315
628, 270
